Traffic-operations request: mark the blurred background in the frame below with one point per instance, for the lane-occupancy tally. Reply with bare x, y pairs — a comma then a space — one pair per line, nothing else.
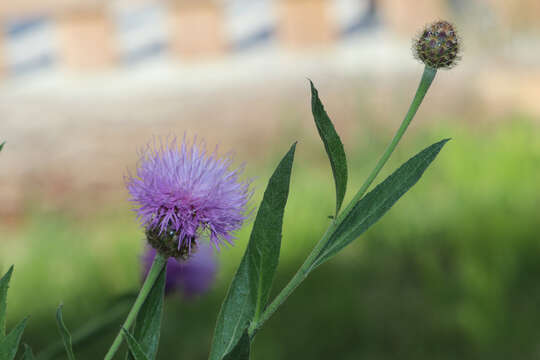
453, 270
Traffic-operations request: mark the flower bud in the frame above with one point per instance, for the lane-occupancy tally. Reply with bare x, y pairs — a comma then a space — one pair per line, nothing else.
437, 45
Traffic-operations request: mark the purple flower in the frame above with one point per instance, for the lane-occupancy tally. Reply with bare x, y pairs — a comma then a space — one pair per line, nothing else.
192, 277
183, 192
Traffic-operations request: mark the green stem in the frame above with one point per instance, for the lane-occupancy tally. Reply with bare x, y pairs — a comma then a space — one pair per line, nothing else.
297, 279
157, 266
427, 78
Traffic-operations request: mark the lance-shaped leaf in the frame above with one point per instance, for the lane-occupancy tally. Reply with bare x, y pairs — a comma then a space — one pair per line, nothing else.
376, 203
135, 349
148, 323
332, 144
64, 333
236, 310
2, 145
241, 350
4, 285
28, 354
265, 239
250, 287
10, 344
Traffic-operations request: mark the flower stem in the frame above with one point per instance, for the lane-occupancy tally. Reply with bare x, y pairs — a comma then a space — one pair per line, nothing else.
297, 279
157, 266
427, 78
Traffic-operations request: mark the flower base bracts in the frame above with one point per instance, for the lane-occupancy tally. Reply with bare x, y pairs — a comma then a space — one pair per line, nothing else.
168, 243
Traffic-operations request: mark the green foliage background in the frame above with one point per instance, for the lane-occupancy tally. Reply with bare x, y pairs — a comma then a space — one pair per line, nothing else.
452, 271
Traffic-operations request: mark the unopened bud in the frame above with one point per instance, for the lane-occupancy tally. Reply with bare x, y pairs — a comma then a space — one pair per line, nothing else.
437, 45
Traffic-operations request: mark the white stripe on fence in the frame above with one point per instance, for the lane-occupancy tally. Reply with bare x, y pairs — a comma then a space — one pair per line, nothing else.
29, 45
142, 30
249, 22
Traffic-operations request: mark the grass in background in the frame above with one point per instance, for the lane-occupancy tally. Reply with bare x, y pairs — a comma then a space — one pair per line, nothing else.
452, 271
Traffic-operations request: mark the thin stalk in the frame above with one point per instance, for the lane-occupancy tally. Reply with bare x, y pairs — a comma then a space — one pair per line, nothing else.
427, 78
297, 279
157, 266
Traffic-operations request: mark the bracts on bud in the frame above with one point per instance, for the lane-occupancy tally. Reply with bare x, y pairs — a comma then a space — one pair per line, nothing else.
169, 243
438, 45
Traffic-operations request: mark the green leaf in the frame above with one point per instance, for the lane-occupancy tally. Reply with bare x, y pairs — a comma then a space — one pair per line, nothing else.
265, 239
64, 333
10, 344
4, 285
250, 287
236, 310
135, 348
28, 354
2, 145
376, 203
148, 322
241, 350
332, 144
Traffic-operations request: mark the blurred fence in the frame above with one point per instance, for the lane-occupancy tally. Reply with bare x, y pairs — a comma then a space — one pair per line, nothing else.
80, 119
97, 35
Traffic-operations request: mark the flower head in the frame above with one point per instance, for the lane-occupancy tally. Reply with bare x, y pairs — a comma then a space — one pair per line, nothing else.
437, 45
183, 192
191, 277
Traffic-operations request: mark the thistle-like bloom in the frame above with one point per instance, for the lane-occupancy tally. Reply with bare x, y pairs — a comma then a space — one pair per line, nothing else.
438, 45
191, 277
183, 192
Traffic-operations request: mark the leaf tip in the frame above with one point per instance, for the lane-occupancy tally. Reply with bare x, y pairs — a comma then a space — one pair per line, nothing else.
9, 272
59, 315
292, 150
7, 276
443, 142
314, 92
